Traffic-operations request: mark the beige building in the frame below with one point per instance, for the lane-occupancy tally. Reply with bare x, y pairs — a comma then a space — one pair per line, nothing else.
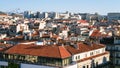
79, 55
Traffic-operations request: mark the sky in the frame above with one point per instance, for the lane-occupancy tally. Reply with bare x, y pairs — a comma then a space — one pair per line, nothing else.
77, 6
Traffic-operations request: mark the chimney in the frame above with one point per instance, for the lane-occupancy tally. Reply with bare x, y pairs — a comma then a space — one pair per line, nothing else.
44, 42
51, 34
40, 34
75, 45
25, 36
88, 42
62, 44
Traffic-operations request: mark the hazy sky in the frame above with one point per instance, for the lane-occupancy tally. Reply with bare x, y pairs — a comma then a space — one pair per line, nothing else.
82, 6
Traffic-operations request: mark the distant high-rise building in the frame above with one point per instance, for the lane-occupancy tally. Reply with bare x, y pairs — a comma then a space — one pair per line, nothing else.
113, 16
27, 14
37, 14
46, 15
56, 15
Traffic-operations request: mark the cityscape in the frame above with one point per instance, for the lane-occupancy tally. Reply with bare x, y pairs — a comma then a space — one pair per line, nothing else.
59, 38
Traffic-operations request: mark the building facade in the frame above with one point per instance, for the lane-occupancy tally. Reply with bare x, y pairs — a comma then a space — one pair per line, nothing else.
79, 55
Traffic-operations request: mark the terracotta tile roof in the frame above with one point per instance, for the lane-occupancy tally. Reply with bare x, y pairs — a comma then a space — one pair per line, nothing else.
83, 48
35, 33
3, 23
20, 37
93, 57
13, 38
55, 36
45, 36
63, 52
45, 51
96, 33
3, 15
6, 39
53, 51
19, 40
1, 49
4, 46
82, 21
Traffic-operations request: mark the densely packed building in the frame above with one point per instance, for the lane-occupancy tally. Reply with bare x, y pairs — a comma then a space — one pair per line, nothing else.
64, 40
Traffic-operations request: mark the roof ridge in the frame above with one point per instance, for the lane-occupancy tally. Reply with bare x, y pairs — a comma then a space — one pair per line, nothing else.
59, 51
62, 51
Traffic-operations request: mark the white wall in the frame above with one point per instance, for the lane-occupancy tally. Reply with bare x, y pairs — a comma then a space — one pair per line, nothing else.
42, 25
87, 54
100, 60
2, 36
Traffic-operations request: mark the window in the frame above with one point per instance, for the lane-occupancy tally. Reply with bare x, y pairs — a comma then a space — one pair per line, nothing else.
87, 66
116, 48
91, 53
117, 61
96, 63
98, 51
117, 54
83, 66
78, 57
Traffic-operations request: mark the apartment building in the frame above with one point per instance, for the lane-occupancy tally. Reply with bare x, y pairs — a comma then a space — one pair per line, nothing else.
113, 46
75, 55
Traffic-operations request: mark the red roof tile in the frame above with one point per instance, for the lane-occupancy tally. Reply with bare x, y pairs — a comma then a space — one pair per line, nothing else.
52, 51
4, 46
95, 33
45, 36
63, 52
46, 51
1, 49
82, 21
55, 36
83, 48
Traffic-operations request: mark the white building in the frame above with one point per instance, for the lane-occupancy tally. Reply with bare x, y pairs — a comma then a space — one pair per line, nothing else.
42, 25
89, 56
56, 16
80, 55
22, 27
